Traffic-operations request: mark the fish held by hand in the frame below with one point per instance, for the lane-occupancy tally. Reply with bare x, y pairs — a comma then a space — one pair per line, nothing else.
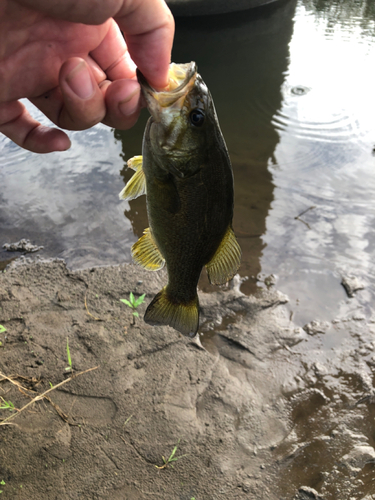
186, 174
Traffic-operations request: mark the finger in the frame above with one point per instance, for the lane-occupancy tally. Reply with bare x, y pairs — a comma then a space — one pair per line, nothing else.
17, 124
84, 105
148, 27
52, 103
122, 99
115, 104
77, 11
78, 103
113, 57
97, 71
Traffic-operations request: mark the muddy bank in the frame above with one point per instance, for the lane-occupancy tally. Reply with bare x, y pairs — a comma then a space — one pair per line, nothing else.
266, 410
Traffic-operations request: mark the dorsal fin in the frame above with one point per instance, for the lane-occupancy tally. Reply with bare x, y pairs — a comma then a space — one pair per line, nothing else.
226, 261
136, 186
146, 253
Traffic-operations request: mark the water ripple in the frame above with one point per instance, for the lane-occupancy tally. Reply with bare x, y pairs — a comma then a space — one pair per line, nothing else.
317, 116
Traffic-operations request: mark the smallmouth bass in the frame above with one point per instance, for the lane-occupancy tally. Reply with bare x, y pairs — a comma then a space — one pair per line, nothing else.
186, 174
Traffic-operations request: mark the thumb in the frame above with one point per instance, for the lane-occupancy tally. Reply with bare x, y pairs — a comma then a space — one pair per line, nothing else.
77, 103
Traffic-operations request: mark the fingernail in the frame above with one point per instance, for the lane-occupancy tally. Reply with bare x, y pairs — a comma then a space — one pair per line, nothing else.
129, 105
79, 80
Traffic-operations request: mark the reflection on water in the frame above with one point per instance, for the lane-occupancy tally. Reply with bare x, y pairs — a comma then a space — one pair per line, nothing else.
324, 160
294, 94
348, 16
66, 202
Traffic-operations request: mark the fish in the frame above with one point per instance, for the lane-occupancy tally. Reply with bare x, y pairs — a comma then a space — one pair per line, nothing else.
186, 173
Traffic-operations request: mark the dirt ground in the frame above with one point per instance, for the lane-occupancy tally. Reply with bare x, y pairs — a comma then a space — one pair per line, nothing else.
259, 412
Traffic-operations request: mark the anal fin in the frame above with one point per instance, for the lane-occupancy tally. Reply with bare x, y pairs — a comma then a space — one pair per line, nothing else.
136, 186
146, 253
226, 261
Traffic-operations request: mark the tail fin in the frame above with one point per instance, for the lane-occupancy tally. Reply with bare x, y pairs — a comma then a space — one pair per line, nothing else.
181, 317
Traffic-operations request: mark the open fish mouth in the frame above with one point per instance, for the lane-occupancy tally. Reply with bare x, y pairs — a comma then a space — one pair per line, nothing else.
181, 81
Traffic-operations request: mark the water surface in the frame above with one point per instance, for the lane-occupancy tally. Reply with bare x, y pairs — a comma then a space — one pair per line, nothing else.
293, 86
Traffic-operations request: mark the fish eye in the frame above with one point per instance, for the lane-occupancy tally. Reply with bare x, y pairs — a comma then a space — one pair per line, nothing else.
197, 117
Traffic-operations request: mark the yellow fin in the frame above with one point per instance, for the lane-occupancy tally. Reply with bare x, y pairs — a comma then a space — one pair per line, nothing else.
135, 162
226, 261
182, 317
136, 186
146, 253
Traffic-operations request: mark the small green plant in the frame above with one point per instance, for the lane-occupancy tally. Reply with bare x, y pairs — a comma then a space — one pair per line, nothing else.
2, 482
134, 303
2, 329
171, 458
6, 405
70, 367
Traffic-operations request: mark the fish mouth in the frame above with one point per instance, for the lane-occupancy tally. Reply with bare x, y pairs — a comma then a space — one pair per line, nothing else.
181, 81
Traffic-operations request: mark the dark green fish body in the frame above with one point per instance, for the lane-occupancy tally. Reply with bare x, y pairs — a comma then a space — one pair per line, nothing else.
189, 216
189, 184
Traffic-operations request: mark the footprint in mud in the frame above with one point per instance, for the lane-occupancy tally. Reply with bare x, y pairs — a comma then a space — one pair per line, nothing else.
92, 410
126, 492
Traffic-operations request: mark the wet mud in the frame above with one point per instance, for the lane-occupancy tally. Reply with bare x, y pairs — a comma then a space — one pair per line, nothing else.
264, 409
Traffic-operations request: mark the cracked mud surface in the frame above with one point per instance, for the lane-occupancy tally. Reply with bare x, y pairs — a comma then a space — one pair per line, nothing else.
266, 410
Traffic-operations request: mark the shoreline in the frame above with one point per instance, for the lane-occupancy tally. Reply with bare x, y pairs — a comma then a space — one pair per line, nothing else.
230, 408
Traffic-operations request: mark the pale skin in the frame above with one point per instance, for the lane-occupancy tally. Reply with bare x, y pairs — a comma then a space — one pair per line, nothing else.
68, 57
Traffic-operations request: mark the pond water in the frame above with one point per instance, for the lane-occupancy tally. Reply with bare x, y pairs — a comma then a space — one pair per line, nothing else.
293, 86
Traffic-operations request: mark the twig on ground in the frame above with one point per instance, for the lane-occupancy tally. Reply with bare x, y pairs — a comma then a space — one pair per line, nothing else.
88, 312
43, 395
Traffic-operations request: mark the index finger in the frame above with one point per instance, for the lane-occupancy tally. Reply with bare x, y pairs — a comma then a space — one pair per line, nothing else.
148, 27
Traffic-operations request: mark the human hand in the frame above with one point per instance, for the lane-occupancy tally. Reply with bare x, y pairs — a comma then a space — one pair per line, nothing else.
70, 60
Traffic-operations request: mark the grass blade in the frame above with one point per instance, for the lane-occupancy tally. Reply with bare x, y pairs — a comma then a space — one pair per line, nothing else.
68, 352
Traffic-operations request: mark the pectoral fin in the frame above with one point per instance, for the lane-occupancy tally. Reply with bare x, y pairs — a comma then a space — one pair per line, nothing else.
226, 261
146, 253
136, 186
182, 317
